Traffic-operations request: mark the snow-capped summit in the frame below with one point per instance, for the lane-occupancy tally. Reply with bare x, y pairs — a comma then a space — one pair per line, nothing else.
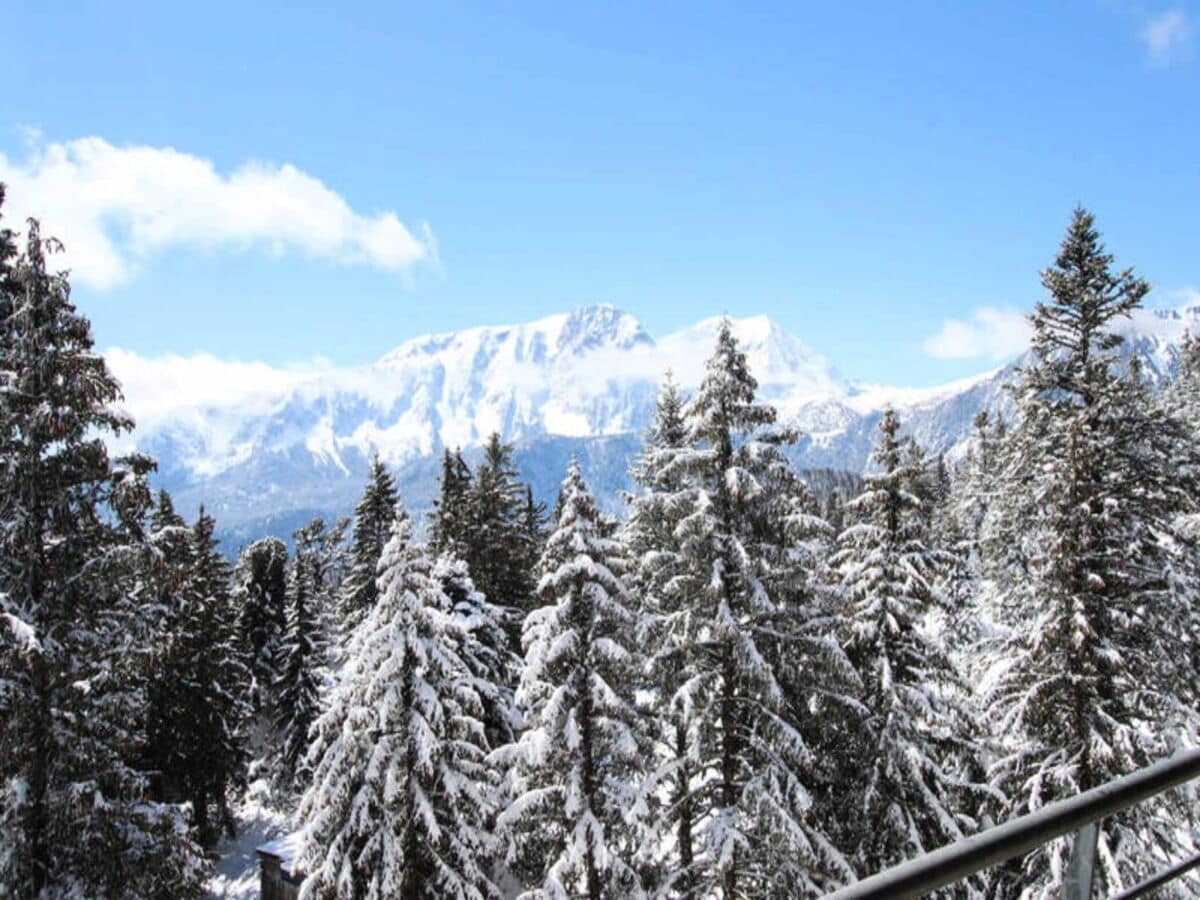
539, 342
603, 325
580, 382
782, 364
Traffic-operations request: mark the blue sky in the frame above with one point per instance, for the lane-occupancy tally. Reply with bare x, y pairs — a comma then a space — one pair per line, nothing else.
861, 172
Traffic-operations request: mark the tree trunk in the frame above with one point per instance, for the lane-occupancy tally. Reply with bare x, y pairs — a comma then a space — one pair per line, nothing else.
589, 776
728, 755
39, 848
684, 802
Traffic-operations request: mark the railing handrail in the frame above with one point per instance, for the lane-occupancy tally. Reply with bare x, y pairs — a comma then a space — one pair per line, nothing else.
964, 858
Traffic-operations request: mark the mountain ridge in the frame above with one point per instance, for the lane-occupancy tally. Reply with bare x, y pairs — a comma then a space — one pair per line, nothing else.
581, 382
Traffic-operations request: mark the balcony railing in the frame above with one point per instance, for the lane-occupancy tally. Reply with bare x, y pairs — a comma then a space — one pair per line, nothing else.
1078, 815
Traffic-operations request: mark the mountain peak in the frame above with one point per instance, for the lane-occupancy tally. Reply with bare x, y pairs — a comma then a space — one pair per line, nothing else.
602, 324
776, 356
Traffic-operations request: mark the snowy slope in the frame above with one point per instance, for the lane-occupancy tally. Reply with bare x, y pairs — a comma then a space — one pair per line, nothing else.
277, 447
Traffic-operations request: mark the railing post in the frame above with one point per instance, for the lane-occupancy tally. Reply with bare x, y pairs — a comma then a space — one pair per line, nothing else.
1078, 885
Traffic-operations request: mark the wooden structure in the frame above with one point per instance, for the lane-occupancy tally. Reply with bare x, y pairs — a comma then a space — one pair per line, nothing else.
278, 878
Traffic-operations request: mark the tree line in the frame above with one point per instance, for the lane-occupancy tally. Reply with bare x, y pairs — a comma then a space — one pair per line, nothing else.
736, 690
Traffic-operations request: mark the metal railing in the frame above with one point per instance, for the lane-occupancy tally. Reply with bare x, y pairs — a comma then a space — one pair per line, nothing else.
1078, 815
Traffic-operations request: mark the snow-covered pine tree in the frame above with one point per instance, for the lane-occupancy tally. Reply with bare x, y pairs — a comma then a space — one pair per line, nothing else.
483, 648
533, 523
500, 553
402, 789
323, 562
170, 541
1093, 679
450, 518
753, 830
372, 525
1184, 394
655, 558
973, 491
327, 562
575, 773
260, 598
298, 688
833, 511
957, 529
912, 755
214, 682
198, 694
76, 818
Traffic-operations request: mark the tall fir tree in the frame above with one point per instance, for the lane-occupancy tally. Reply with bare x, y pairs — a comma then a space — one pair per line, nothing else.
450, 519
260, 599
575, 773
976, 486
201, 696
1093, 678
484, 647
402, 790
1184, 393
373, 519
501, 554
910, 760
533, 524
833, 510
655, 558
298, 689
326, 563
75, 813
729, 621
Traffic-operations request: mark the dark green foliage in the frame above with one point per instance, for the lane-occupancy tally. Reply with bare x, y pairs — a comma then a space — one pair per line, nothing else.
373, 519
483, 647
312, 583
909, 758
1097, 679
198, 702
502, 548
450, 520
75, 622
260, 599
723, 553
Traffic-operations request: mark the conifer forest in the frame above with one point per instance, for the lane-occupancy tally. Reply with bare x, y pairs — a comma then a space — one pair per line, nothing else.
750, 683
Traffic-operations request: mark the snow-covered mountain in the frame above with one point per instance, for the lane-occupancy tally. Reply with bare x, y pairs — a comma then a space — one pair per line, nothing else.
279, 447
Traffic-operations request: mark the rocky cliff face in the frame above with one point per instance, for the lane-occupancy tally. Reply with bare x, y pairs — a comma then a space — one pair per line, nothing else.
578, 383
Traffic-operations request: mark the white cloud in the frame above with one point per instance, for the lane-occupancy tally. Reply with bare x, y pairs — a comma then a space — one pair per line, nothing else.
159, 385
1185, 297
1167, 37
114, 207
990, 333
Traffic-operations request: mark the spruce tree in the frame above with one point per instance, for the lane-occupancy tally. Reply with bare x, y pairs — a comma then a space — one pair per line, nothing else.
207, 680
450, 519
575, 772
372, 525
260, 598
1184, 393
298, 688
833, 510
170, 541
1093, 678
656, 561
974, 491
911, 756
533, 525
198, 704
501, 554
483, 647
75, 813
402, 790
750, 795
